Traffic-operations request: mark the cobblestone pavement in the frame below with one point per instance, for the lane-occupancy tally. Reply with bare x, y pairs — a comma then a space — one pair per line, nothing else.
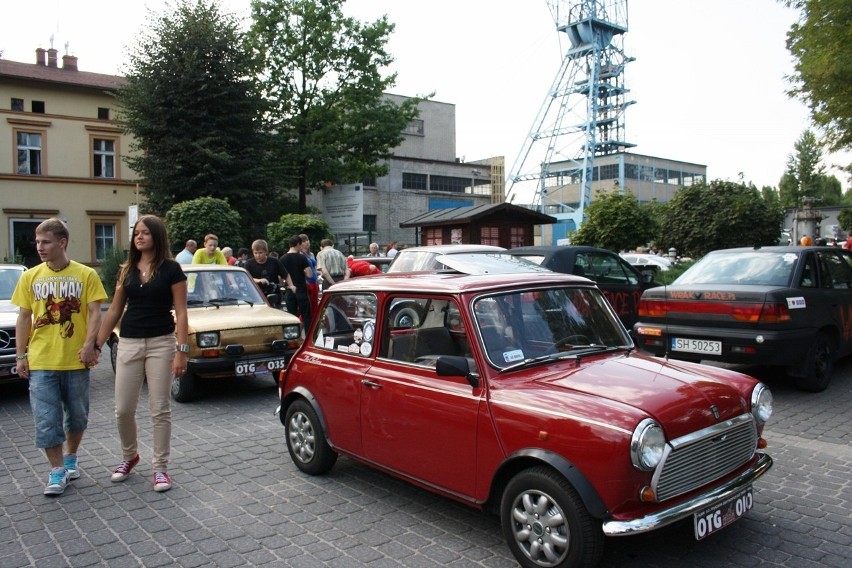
238, 500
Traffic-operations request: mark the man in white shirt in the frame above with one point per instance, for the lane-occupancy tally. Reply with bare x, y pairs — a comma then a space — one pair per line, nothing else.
185, 256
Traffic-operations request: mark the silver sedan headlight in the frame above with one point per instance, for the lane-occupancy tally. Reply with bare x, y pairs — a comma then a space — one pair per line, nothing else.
207, 339
647, 445
761, 403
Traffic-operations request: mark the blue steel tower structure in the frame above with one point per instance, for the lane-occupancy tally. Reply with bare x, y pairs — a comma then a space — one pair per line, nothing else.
582, 115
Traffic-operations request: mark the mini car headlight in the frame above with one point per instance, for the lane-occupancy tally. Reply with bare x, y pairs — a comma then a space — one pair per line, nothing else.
292, 331
761, 403
647, 445
207, 339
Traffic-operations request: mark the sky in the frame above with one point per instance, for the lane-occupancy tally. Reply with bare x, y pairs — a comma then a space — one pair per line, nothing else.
709, 76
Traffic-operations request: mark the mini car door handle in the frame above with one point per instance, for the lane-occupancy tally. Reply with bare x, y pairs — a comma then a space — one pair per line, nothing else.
371, 384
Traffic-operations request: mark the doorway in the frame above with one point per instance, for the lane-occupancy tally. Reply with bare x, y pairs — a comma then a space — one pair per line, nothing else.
23, 242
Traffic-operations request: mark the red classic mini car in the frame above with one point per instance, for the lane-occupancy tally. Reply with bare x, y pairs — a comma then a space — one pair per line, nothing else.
522, 394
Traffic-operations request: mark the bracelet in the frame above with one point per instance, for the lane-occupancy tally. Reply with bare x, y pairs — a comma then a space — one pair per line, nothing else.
21, 357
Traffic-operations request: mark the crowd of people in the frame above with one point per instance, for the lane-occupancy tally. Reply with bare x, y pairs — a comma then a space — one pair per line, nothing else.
61, 331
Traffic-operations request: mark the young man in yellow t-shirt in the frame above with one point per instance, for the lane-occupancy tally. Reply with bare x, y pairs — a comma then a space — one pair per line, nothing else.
58, 321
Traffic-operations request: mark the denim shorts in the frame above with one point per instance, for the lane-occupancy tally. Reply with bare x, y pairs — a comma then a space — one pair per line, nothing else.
60, 403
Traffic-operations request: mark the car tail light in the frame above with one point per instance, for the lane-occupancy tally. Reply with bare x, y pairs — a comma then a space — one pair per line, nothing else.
773, 312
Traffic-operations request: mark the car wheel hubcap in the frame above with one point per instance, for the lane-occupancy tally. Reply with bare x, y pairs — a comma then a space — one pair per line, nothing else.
301, 434
540, 528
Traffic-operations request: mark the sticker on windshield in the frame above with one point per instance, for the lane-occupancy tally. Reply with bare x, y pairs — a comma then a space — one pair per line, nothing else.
790, 257
514, 355
796, 303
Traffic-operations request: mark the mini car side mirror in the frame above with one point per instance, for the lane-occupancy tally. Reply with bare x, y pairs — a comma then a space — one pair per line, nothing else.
452, 366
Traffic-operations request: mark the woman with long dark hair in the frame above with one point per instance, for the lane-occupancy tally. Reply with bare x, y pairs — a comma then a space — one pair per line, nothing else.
149, 284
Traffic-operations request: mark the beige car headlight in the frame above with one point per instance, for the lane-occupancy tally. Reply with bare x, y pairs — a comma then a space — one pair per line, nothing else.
207, 339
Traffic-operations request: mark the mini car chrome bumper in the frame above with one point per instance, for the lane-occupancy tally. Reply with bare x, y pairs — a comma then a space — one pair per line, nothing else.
685, 509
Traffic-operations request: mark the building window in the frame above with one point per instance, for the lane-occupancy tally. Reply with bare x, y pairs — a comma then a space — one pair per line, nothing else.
414, 181
369, 182
433, 236
489, 236
38, 107
517, 237
103, 113
631, 171
609, 171
105, 240
370, 223
103, 152
447, 183
18, 104
414, 128
29, 153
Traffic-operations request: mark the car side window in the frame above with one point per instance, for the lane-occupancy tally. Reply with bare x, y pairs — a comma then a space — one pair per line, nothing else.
419, 330
839, 272
348, 324
606, 269
809, 273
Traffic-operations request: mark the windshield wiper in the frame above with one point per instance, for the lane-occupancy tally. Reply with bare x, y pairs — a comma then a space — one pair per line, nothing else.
227, 300
575, 352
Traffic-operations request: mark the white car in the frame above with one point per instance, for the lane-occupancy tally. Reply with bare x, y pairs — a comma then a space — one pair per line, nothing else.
424, 259
9, 276
641, 260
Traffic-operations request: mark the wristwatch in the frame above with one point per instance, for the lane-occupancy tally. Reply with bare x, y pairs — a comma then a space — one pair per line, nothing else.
183, 348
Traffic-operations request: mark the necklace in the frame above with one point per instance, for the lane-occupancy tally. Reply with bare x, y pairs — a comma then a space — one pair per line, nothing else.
58, 269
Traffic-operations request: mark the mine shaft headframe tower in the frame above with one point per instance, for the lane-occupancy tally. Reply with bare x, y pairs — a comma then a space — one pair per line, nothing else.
583, 113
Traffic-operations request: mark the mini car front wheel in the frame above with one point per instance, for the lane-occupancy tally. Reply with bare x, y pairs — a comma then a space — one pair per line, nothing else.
546, 524
306, 441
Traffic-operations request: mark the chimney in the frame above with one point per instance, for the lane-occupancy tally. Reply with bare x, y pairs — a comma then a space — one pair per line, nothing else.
52, 54
69, 62
41, 56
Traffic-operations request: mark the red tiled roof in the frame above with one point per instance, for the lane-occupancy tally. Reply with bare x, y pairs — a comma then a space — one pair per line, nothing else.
43, 73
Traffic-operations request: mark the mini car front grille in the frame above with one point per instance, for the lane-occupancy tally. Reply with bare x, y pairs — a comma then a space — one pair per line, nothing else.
703, 457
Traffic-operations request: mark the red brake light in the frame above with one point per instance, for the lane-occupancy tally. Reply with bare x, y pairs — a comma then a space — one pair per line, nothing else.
750, 313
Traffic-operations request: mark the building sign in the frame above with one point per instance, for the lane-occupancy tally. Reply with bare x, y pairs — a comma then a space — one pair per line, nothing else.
343, 207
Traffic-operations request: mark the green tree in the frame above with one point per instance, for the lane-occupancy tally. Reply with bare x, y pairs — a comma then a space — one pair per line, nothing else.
296, 224
821, 45
198, 217
722, 214
323, 81
805, 176
844, 218
616, 222
195, 111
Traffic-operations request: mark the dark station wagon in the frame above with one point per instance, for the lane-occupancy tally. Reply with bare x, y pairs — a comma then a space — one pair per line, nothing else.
787, 306
522, 394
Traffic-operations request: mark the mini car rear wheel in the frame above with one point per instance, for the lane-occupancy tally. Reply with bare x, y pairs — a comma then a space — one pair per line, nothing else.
820, 365
546, 524
184, 388
306, 441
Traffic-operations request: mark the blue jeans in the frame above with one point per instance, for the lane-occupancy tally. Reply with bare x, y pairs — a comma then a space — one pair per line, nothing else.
60, 403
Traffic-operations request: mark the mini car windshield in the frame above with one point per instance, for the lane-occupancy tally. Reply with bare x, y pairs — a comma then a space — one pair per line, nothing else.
760, 268
537, 325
